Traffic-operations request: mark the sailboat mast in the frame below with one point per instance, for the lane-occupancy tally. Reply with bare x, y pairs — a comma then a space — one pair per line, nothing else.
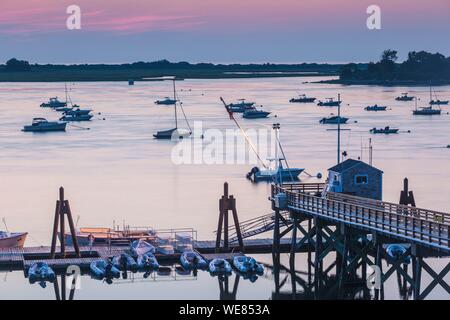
339, 131
65, 86
175, 105
276, 127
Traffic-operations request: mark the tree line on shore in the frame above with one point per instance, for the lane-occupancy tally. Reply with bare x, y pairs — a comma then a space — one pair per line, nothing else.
419, 66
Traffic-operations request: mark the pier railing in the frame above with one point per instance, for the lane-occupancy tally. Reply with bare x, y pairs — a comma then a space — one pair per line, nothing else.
417, 225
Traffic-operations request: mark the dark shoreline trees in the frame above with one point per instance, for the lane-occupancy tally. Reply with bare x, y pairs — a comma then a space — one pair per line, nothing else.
419, 66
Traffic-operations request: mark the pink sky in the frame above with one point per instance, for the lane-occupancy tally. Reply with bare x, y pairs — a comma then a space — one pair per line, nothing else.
137, 16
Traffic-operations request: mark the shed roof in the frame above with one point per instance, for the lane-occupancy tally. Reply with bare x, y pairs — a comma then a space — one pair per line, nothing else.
348, 164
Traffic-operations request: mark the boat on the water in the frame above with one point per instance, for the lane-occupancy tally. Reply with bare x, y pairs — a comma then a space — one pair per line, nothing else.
302, 99
274, 170
439, 102
101, 269
329, 102
426, 111
404, 97
166, 101
241, 106
42, 125
174, 133
275, 173
220, 267
334, 120
12, 239
385, 130
140, 247
76, 111
191, 260
125, 262
42, 273
147, 262
76, 118
375, 108
255, 114
246, 264
53, 103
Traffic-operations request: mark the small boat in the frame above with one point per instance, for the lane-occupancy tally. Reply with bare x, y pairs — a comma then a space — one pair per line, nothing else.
439, 102
330, 102
375, 108
53, 103
40, 271
147, 262
101, 269
175, 133
42, 125
255, 114
192, 260
385, 130
241, 106
274, 170
247, 265
63, 109
165, 249
426, 111
395, 251
448, 146
404, 97
172, 134
277, 173
302, 99
334, 120
12, 239
219, 267
141, 247
76, 111
166, 101
125, 262
81, 117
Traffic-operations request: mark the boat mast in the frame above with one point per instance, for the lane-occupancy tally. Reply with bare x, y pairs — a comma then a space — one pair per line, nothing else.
276, 128
339, 131
175, 105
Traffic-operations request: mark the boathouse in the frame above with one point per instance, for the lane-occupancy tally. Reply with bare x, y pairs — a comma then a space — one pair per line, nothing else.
354, 177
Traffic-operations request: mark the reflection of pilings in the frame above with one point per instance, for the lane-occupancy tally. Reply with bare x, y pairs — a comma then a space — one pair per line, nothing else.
224, 289
61, 295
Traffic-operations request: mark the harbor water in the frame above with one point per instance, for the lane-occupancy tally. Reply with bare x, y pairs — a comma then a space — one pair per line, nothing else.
116, 172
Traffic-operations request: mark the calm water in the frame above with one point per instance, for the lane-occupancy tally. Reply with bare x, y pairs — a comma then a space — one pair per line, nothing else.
117, 172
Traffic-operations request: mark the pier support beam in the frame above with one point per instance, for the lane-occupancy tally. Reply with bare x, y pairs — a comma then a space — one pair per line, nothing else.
62, 210
227, 203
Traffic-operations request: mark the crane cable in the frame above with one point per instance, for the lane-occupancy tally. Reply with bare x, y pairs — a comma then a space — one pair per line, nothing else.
244, 133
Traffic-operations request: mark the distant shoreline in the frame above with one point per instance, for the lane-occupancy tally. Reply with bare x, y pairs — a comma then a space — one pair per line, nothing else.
386, 83
105, 76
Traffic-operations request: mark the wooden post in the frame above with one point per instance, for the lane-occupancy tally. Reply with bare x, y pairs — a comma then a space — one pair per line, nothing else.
406, 196
227, 203
62, 209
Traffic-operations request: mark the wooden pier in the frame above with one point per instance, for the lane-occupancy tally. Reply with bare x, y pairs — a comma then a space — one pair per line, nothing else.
358, 230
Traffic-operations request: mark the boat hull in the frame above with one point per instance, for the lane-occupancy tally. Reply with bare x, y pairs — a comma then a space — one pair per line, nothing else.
303, 100
255, 115
290, 174
16, 240
426, 113
53, 128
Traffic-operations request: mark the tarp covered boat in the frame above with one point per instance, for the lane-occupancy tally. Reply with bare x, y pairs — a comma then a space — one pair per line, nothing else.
125, 262
247, 265
40, 271
147, 262
220, 266
101, 269
192, 260
141, 247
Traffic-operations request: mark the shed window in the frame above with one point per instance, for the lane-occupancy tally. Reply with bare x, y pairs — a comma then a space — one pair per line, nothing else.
362, 179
